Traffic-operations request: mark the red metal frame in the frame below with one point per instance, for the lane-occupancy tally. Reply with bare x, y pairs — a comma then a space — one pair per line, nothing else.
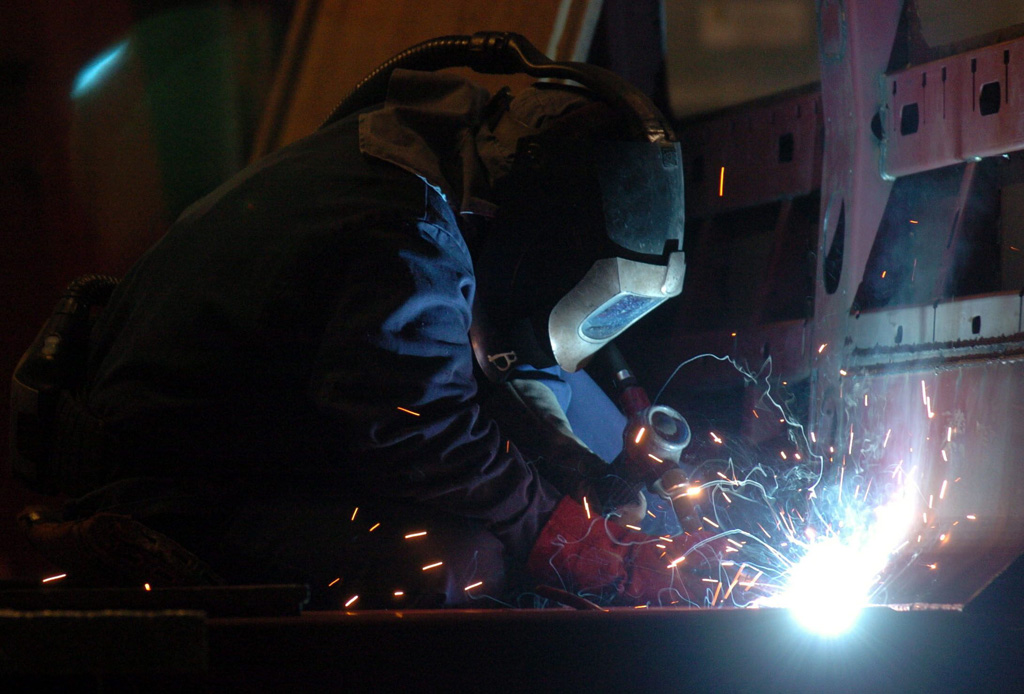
952, 110
850, 142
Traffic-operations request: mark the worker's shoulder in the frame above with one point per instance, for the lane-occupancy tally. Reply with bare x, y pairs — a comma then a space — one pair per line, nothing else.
321, 181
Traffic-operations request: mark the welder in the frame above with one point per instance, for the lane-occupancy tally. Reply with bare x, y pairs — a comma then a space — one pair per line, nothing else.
284, 386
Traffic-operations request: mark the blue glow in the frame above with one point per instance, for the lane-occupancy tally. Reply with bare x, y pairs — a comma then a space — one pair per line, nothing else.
98, 69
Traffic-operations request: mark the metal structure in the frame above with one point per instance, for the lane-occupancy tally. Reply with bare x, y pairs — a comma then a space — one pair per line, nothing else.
886, 289
864, 237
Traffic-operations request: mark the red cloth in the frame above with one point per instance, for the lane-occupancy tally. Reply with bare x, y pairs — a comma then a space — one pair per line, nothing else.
598, 558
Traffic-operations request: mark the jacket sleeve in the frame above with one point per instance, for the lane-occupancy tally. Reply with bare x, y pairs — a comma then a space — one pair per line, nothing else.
394, 371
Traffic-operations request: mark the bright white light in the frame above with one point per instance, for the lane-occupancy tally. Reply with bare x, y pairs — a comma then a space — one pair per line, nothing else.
825, 590
829, 586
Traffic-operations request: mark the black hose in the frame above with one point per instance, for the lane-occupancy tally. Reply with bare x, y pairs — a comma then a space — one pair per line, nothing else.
435, 54
91, 290
503, 53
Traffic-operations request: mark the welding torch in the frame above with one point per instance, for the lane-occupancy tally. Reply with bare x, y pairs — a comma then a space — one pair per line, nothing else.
653, 441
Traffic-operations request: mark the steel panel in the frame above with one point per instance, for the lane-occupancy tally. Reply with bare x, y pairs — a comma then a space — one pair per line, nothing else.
768, 152
913, 325
967, 106
977, 318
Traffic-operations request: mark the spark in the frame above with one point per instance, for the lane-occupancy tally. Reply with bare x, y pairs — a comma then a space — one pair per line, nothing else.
887, 435
756, 415
913, 221
721, 183
865, 399
474, 585
971, 516
932, 566
676, 562
375, 526
420, 533
54, 578
942, 492
822, 347
931, 498
797, 456
727, 498
767, 534
942, 537
924, 393
414, 414
655, 458
710, 522
333, 582
843, 372
398, 593
351, 600
949, 434
718, 590
147, 586
634, 527
508, 445
944, 456
666, 538
354, 512
814, 439
883, 274
752, 582
783, 454
715, 437
640, 435
428, 567
586, 507
735, 580
651, 514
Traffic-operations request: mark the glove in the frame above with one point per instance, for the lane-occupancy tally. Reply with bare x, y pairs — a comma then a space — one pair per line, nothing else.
597, 557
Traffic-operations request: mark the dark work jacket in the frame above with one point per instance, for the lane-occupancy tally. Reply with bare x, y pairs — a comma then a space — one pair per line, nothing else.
306, 326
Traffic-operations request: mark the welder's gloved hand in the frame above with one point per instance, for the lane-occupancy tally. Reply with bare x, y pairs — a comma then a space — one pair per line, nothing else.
600, 559
529, 414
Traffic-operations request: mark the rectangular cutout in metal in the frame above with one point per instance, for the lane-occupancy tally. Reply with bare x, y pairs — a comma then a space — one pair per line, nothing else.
786, 147
990, 98
909, 119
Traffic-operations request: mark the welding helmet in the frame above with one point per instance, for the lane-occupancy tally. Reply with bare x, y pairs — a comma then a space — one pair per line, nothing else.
588, 236
587, 239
